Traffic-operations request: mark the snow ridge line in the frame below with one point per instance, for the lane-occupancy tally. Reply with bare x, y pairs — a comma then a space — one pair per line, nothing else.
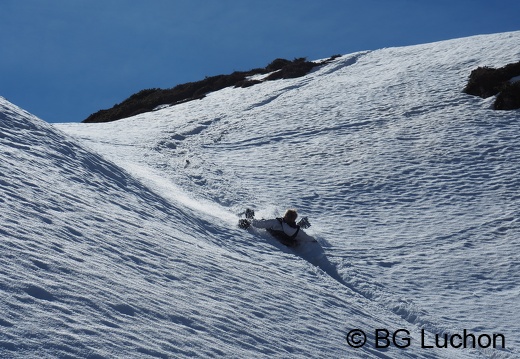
335, 65
342, 63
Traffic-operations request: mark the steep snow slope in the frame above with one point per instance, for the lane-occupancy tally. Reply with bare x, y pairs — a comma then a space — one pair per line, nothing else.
95, 264
411, 186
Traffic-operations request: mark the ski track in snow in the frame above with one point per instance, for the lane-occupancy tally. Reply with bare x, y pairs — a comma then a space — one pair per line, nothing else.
120, 239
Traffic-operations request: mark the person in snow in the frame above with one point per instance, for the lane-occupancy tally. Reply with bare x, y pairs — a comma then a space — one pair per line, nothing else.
283, 229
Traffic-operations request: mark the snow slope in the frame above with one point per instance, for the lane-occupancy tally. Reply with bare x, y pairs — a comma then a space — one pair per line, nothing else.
119, 240
96, 265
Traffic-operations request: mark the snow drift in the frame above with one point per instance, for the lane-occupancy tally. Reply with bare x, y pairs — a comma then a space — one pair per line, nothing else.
120, 239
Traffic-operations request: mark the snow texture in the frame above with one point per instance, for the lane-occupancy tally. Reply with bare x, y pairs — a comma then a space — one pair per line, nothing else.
120, 240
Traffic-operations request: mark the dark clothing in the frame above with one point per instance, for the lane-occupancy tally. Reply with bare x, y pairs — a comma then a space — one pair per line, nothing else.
288, 234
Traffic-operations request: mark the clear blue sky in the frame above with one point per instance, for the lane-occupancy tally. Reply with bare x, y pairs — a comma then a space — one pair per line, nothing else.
65, 59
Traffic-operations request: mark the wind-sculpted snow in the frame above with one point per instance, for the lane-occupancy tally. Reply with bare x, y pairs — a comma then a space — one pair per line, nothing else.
411, 182
119, 240
96, 264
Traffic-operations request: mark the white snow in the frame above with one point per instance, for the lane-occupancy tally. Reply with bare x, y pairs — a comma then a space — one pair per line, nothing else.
119, 240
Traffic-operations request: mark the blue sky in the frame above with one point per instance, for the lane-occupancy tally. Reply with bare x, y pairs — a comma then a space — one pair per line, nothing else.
65, 59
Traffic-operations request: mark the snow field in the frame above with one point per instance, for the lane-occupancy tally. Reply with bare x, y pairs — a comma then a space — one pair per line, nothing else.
120, 239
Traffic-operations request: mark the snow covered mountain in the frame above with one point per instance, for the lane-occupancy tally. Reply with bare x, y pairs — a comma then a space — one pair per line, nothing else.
119, 240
